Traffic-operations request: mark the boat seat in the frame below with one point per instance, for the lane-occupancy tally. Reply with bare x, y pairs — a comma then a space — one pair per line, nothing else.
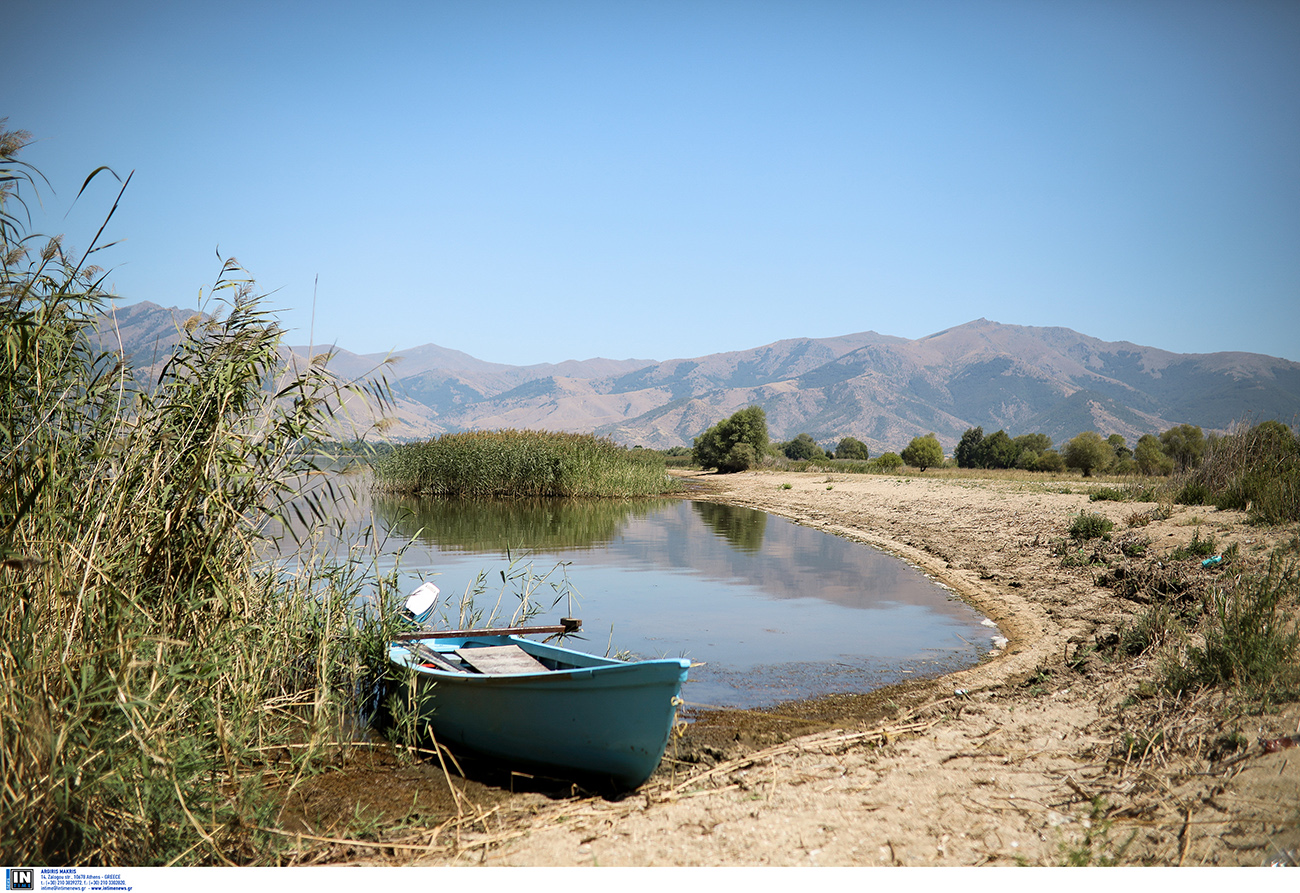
500, 659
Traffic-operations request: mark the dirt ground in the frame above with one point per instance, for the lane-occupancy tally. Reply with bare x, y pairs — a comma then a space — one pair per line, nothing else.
1051, 752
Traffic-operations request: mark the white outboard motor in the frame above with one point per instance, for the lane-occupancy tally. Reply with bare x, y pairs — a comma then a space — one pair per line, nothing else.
420, 603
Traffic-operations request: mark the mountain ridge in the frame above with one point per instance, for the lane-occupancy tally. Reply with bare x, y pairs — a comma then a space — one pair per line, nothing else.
881, 389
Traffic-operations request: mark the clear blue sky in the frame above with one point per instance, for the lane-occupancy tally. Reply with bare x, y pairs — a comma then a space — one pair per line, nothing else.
539, 181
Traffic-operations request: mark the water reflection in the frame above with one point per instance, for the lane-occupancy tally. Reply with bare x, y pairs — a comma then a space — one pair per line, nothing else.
476, 525
741, 527
774, 611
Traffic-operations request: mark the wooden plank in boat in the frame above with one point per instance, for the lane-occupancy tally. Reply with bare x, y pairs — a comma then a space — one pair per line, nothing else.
439, 662
501, 659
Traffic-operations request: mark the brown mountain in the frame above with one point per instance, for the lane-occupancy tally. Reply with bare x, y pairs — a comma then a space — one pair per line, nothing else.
881, 389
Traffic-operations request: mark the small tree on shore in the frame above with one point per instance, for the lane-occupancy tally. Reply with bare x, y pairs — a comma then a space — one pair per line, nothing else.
852, 448
1150, 456
967, 453
1185, 444
1089, 452
735, 443
803, 447
924, 452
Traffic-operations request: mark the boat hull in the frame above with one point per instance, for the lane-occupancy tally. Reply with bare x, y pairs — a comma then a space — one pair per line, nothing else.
593, 716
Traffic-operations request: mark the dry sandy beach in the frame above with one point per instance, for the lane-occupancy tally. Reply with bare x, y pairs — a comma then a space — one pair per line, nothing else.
1042, 755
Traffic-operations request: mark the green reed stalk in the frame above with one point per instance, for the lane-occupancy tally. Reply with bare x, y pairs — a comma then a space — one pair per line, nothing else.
149, 656
521, 464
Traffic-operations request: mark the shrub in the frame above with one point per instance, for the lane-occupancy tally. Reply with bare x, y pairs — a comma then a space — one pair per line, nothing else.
1194, 493
1150, 456
1185, 445
1089, 453
1089, 526
1102, 494
888, 461
851, 448
1257, 470
803, 447
924, 452
715, 447
1251, 639
1197, 548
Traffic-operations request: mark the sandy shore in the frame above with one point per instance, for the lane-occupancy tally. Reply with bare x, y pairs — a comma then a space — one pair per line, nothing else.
1036, 757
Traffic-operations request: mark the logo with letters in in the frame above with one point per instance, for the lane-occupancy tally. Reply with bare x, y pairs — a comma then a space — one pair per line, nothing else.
20, 878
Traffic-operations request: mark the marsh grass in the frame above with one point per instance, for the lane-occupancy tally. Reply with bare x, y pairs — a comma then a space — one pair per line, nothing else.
1255, 469
151, 658
1251, 639
522, 464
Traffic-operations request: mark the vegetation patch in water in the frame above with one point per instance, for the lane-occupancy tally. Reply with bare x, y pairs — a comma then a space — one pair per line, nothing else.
513, 463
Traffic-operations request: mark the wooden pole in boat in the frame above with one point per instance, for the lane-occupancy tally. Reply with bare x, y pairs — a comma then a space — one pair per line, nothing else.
570, 625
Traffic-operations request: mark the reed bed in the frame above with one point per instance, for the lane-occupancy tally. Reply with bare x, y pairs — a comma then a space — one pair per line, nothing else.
522, 464
151, 658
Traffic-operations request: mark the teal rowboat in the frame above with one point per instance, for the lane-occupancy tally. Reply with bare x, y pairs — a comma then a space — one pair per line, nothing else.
536, 705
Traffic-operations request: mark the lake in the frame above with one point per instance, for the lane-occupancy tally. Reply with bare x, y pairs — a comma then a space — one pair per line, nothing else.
770, 610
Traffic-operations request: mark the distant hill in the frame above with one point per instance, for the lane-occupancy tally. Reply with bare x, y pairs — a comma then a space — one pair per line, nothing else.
881, 389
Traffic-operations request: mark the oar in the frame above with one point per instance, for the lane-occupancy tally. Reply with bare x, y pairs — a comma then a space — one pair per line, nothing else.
570, 625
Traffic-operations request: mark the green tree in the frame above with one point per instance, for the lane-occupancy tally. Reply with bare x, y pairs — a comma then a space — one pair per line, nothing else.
1036, 443
803, 447
735, 443
968, 453
851, 448
1050, 461
998, 451
924, 452
1120, 446
1185, 444
1089, 453
888, 461
1150, 456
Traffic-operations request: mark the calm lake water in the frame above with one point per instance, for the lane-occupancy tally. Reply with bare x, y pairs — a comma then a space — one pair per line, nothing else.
772, 611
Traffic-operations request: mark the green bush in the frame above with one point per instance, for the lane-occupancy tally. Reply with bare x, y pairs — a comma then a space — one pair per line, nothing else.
888, 462
1185, 445
924, 452
1150, 456
1197, 548
803, 447
852, 448
1251, 638
1102, 494
1089, 526
1194, 493
715, 448
1089, 453
1253, 469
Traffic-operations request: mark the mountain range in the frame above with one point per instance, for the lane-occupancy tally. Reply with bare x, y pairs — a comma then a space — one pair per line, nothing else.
881, 389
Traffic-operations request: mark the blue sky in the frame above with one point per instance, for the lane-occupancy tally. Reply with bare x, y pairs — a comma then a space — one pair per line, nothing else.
539, 181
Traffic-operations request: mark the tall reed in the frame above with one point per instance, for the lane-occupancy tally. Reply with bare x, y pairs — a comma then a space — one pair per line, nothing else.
150, 656
522, 464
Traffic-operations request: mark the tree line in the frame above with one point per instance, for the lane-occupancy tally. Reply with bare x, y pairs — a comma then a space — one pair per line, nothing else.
741, 442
